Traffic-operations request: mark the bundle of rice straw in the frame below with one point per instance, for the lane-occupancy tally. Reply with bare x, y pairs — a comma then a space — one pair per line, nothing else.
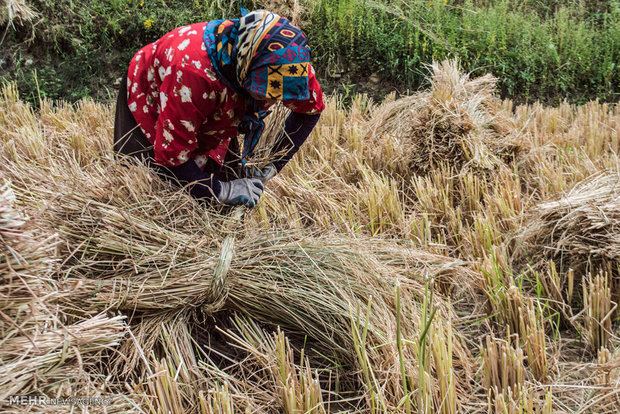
459, 121
134, 245
122, 255
579, 231
44, 352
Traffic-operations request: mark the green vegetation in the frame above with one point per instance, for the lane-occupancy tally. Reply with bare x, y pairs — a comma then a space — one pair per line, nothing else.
539, 49
75, 49
538, 52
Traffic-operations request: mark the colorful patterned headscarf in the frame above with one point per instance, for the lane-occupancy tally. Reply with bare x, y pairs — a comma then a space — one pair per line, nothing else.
262, 53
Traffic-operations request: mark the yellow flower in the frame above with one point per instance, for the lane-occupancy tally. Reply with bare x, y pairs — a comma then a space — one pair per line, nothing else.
148, 23
141, 3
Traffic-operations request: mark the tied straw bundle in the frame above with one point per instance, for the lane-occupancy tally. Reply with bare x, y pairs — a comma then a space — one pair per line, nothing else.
459, 121
579, 232
43, 350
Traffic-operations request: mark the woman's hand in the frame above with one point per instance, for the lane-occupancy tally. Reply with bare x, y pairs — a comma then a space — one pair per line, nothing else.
243, 191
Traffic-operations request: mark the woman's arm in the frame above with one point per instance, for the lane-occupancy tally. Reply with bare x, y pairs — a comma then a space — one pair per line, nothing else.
242, 191
301, 121
297, 128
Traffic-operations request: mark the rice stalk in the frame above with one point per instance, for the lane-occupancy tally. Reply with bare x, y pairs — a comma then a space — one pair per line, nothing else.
375, 401
218, 401
301, 389
532, 331
599, 309
271, 355
525, 402
446, 400
399, 345
504, 369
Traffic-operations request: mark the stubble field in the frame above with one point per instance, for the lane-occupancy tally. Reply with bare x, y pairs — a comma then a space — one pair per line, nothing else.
442, 252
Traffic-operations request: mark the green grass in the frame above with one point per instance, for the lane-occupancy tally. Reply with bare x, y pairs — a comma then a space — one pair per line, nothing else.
539, 49
81, 48
549, 53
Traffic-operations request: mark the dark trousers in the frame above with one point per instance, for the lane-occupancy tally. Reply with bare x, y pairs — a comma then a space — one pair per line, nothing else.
128, 137
130, 140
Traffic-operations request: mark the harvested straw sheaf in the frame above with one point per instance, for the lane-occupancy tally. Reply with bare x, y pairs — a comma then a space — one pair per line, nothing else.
579, 233
459, 121
122, 257
581, 229
43, 351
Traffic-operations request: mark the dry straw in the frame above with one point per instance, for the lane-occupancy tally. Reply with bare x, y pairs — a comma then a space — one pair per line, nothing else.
579, 232
599, 309
459, 121
130, 243
16, 11
44, 351
363, 281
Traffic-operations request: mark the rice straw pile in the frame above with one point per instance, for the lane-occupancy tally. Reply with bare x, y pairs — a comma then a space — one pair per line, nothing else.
460, 122
304, 283
378, 279
131, 244
43, 349
579, 231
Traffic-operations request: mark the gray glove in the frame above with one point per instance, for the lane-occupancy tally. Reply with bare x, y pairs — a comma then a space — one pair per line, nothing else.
266, 174
243, 191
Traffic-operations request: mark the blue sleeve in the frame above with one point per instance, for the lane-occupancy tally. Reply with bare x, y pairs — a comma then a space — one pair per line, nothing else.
297, 128
201, 185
